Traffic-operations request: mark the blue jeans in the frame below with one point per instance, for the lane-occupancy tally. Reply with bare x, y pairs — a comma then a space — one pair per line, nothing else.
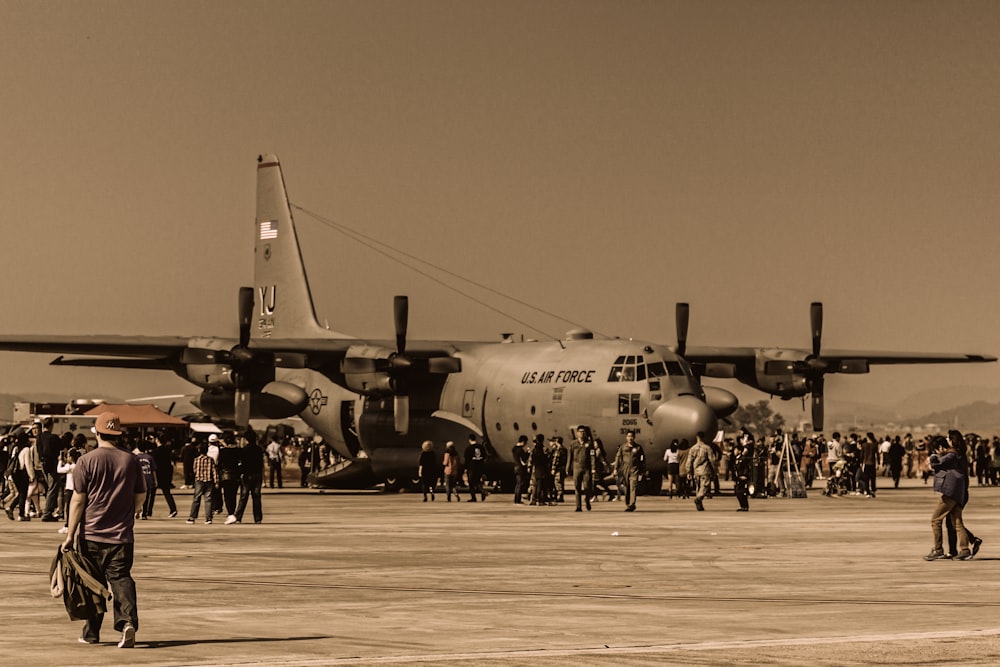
115, 563
202, 490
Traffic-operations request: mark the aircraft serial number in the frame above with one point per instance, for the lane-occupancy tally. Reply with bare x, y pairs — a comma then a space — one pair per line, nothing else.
555, 377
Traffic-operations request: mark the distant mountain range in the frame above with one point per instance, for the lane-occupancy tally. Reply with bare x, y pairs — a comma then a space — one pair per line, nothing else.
967, 408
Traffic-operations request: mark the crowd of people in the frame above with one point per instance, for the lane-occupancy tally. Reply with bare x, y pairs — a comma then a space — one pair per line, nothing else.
851, 464
225, 471
541, 469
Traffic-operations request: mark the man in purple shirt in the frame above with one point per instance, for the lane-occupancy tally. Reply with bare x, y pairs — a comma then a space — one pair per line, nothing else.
108, 490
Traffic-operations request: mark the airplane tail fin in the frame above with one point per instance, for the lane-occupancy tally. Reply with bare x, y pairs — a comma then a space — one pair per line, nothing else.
283, 306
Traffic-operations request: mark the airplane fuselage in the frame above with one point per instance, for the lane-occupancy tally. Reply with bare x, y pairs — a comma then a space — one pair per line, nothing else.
506, 390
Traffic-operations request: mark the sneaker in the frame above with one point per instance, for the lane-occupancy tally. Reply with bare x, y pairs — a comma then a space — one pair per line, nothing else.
128, 637
189, 521
936, 554
230, 519
63, 530
965, 555
208, 522
976, 543
84, 640
172, 514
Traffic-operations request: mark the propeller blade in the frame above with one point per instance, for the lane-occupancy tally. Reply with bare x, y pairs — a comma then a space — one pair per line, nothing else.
401, 314
241, 409
245, 314
401, 414
816, 321
681, 315
817, 404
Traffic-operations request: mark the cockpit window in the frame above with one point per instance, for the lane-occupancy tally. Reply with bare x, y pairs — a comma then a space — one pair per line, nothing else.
674, 368
628, 369
632, 368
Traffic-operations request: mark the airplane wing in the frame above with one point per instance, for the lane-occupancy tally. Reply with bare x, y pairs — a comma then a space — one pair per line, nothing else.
788, 373
748, 355
153, 352
890, 358
168, 352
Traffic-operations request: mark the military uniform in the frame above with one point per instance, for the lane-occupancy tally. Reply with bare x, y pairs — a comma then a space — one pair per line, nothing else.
580, 464
558, 455
700, 464
630, 464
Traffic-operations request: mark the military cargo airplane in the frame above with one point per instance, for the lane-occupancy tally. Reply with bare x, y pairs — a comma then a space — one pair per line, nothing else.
375, 401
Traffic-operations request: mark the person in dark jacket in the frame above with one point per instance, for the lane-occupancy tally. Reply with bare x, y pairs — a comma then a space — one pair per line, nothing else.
229, 476
540, 465
49, 450
163, 454
520, 456
251, 477
950, 480
475, 467
427, 469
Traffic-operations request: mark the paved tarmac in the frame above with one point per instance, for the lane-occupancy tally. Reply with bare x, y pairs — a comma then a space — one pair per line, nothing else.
369, 579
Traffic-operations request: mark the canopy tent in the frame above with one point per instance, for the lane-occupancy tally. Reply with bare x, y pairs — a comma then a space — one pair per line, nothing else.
204, 427
137, 415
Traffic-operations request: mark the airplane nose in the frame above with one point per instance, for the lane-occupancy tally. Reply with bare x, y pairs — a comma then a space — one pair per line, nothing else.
683, 417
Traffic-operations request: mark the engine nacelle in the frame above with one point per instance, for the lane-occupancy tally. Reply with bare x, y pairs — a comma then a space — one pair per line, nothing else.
366, 369
277, 400
210, 376
722, 402
783, 386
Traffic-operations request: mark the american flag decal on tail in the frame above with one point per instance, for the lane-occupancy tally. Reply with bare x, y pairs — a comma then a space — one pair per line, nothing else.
269, 229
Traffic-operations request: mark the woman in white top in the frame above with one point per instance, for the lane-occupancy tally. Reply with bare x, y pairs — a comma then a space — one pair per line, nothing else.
65, 467
673, 468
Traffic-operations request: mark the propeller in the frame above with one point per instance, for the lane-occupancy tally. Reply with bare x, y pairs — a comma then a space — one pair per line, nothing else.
401, 366
681, 316
372, 370
816, 321
251, 369
817, 403
813, 367
242, 353
817, 365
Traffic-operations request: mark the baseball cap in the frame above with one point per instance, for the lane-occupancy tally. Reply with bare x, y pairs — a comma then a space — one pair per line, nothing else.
108, 423
213, 438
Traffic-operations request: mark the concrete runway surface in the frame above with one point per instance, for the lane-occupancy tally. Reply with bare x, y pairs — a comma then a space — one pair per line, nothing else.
371, 579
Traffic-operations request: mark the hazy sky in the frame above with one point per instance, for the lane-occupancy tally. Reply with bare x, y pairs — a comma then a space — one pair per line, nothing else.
601, 160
